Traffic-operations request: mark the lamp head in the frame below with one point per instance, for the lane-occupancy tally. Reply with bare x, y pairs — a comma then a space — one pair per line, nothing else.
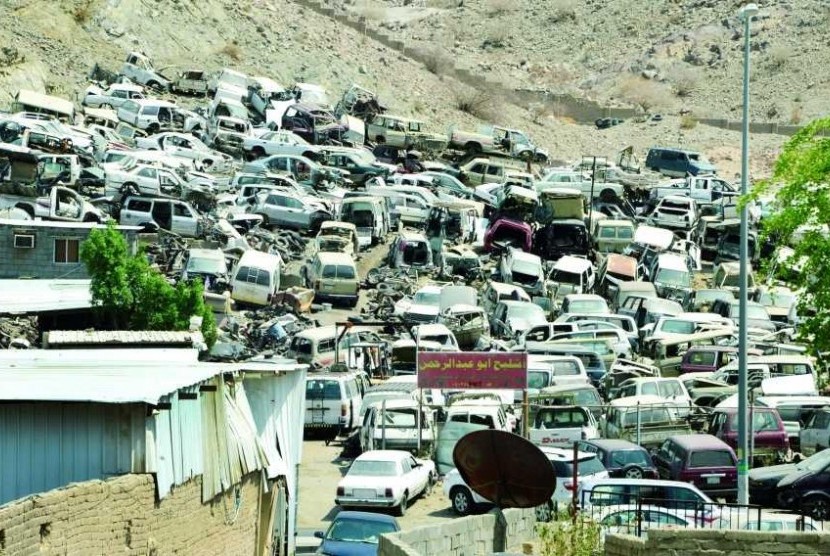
748, 12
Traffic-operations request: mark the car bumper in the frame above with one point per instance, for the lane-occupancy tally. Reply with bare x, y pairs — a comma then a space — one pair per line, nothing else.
365, 502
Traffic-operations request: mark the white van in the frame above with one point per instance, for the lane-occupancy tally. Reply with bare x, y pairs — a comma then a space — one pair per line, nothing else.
316, 346
332, 401
31, 101
368, 214
148, 114
256, 277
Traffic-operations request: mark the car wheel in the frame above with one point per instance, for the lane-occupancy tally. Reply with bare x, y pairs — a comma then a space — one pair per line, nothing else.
462, 501
258, 152
633, 472
544, 512
607, 195
402, 508
129, 189
817, 507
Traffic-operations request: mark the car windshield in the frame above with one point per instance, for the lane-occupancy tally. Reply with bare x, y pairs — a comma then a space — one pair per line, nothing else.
711, 458
621, 458
776, 299
371, 468
588, 466
427, 298
358, 530
652, 415
537, 379
678, 326
527, 311
673, 277
756, 312
588, 306
208, 265
564, 277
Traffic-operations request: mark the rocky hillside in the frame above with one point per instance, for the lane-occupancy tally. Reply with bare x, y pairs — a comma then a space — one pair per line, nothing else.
50, 45
663, 54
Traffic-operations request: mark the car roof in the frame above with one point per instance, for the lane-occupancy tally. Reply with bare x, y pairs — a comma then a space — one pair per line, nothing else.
569, 263
642, 482
365, 516
562, 454
335, 258
613, 444
700, 441
383, 455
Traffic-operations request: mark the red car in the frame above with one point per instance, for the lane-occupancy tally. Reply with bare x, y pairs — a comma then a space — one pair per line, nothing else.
506, 230
771, 444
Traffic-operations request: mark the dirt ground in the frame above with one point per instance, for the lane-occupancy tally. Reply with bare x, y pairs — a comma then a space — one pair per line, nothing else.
320, 471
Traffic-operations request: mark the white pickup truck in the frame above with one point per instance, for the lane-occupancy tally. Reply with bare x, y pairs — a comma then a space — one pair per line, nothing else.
703, 189
495, 140
140, 70
560, 426
59, 204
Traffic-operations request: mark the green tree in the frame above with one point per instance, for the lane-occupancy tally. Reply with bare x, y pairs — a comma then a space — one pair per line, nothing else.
801, 220
132, 295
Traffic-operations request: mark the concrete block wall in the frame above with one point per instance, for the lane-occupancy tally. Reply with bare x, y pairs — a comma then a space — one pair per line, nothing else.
714, 542
38, 262
121, 516
465, 536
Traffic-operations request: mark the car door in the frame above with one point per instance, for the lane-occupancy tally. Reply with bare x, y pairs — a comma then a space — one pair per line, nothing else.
148, 182
185, 221
297, 215
419, 475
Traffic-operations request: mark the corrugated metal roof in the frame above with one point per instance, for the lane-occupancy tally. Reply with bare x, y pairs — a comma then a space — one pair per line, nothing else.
57, 224
97, 337
101, 375
19, 297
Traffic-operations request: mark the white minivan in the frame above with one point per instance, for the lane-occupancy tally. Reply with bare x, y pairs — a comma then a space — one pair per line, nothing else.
256, 278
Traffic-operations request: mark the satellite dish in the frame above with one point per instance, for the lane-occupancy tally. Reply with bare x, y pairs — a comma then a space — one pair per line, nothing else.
505, 468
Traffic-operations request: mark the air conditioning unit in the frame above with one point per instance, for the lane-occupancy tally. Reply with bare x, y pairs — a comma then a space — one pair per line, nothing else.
24, 241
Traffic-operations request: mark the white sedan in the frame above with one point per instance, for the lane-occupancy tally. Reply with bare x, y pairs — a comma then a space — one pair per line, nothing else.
187, 146
385, 479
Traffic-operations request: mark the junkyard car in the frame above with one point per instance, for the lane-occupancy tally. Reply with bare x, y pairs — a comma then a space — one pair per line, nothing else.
385, 479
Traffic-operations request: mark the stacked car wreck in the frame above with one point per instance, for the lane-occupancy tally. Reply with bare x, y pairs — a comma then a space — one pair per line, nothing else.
346, 240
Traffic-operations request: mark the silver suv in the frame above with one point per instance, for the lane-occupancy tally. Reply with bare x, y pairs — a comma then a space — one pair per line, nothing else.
286, 209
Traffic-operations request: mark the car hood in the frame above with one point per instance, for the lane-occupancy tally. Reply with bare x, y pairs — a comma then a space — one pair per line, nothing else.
344, 548
772, 472
794, 477
423, 309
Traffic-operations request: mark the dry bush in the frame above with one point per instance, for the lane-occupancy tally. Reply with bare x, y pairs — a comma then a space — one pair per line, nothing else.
563, 10
796, 116
687, 121
539, 112
82, 12
642, 92
496, 36
437, 60
685, 80
232, 50
499, 7
778, 56
479, 104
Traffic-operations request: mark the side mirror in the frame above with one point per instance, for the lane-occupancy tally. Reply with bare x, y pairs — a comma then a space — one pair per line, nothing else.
319, 534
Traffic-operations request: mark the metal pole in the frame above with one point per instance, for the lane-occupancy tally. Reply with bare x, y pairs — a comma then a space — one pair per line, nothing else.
525, 414
591, 200
383, 425
639, 424
747, 14
420, 392
575, 479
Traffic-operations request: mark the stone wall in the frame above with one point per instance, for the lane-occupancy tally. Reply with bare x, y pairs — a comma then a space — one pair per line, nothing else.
465, 536
713, 542
121, 516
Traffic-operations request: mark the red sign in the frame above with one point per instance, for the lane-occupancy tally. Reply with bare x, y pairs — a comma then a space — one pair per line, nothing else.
472, 370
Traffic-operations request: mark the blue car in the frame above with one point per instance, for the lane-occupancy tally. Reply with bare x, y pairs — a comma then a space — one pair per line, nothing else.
355, 533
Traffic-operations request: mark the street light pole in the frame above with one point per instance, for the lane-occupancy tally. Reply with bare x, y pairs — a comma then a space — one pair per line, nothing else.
746, 14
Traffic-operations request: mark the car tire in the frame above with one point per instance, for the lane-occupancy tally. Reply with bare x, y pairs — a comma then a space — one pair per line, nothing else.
633, 472
401, 509
258, 152
817, 507
544, 512
461, 500
129, 188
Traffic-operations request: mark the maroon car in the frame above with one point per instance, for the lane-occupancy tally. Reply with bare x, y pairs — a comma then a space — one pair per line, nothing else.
508, 231
707, 359
703, 460
770, 444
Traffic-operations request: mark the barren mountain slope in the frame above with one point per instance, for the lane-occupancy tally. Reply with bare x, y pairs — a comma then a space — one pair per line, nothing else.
668, 53
51, 45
